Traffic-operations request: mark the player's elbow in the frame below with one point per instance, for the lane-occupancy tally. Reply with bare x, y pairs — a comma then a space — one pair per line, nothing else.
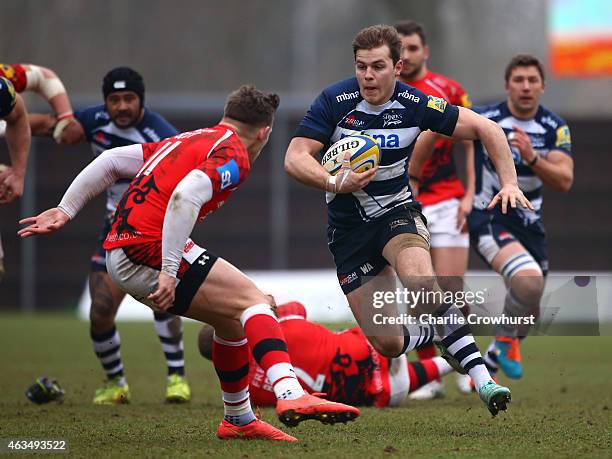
291, 163
565, 183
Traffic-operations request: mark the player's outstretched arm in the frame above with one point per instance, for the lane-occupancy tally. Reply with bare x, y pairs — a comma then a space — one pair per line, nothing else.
18, 139
102, 172
47, 125
470, 125
45, 82
300, 163
47, 222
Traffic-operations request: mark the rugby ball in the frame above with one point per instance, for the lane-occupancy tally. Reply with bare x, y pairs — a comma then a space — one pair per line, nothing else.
364, 151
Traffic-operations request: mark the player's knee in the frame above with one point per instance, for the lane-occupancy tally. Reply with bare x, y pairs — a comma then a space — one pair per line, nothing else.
418, 282
101, 312
205, 341
528, 288
250, 299
389, 346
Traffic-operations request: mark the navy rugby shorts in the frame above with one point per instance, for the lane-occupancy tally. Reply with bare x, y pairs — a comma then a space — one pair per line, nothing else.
358, 251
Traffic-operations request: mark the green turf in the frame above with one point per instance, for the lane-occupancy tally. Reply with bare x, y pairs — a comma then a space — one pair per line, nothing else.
562, 407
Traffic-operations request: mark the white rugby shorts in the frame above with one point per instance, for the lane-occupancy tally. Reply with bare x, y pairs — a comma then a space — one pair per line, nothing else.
442, 224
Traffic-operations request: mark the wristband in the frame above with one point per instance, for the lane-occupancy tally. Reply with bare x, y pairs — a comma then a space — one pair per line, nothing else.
534, 161
331, 183
59, 128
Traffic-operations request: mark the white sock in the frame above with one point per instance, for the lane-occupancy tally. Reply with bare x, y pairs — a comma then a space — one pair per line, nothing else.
479, 375
284, 382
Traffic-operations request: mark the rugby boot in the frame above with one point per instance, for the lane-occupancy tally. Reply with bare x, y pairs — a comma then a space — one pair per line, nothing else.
112, 393
177, 390
496, 397
292, 412
509, 356
256, 430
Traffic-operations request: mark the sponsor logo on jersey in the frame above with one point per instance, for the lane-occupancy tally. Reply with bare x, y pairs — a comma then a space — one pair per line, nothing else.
383, 141
352, 121
550, 121
391, 119
101, 115
563, 137
100, 138
400, 222
346, 279
229, 174
504, 235
408, 95
8, 71
537, 140
152, 134
436, 103
366, 268
347, 96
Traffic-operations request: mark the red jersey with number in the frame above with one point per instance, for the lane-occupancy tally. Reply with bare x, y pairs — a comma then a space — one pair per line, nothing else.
342, 365
16, 74
216, 151
439, 180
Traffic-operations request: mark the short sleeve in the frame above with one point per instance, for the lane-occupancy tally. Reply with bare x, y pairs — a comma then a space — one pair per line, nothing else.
318, 122
561, 140
437, 115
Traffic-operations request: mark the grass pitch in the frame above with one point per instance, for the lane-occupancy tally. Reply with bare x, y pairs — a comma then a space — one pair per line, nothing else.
561, 408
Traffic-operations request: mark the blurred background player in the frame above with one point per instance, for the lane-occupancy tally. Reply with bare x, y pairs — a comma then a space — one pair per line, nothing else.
14, 116
375, 229
122, 120
343, 365
46, 83
176, 183
43, 81
514, 245
446, 203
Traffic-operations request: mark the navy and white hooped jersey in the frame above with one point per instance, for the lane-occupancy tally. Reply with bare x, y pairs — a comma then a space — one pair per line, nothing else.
102, 134
547, 132
340, 111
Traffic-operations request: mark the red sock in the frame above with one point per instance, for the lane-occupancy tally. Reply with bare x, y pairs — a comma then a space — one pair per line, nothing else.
269, 349
426, 352
231, 360
421, 373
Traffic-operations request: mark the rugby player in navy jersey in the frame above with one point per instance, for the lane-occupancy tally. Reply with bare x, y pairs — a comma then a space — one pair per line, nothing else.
18, 138
376, 228
514, 244
122, 120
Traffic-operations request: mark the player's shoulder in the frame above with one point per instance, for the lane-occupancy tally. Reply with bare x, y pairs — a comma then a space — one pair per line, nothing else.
408, 96
16, 74
493, 111
8, 96
456, 93
342, 95
92, 116
549, 118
